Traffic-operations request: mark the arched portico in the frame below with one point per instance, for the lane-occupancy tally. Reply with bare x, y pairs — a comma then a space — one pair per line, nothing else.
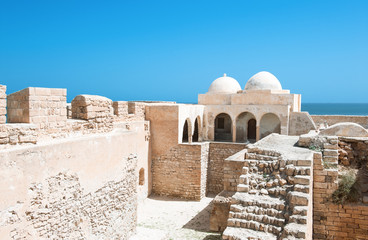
196, 133
245, 127
270, 123
223, 128
187, 131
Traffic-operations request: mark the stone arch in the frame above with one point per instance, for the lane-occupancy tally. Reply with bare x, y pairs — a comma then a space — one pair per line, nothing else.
270, 123
141, 176
187, 131
244, 130
197, 129
223, 128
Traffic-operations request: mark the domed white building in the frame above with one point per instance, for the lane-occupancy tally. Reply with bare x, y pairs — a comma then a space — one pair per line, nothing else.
224, 85
263, 81
262, 108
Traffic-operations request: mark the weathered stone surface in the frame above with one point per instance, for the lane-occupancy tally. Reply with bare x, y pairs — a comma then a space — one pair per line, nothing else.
346, 130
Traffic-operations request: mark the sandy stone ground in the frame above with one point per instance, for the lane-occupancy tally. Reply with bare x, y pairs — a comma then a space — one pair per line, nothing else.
163, 218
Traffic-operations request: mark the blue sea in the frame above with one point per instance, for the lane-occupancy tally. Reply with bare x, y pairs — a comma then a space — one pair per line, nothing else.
335, 108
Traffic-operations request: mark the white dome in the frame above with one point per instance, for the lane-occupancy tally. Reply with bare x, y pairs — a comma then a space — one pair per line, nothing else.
263, 81
224, 84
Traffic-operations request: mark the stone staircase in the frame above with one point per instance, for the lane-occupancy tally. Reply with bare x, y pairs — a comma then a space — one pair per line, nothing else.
272, 198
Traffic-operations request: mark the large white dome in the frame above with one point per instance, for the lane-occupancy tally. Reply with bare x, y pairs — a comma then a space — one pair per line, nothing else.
224, 84
263, 81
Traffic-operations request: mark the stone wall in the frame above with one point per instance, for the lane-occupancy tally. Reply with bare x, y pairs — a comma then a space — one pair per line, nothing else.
348, 221
233, 167
18, 134
2, 104
45, 107
300, 123
82, 188
332, 119
338, 221
182, 172
129, 111
218, 153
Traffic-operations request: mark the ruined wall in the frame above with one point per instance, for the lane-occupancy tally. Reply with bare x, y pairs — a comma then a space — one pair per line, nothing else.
218, 153
2, 104
332, 119
348, 221
339, 221
300, 123
182, 172
80, 188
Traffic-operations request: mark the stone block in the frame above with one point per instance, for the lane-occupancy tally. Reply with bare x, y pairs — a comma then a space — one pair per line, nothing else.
330, 153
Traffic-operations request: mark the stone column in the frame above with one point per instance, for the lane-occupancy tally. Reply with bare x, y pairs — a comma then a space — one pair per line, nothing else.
258, 133
233, 131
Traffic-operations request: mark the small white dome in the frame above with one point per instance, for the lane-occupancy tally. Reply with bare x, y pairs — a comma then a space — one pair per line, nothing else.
224, 84
263, 81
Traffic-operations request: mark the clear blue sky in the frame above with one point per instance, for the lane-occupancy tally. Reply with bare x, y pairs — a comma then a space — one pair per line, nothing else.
173, 50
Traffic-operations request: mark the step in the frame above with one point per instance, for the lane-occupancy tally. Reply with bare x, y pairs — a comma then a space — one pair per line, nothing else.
292, 170
242, 188
241, 223
301, 188
302, 180
236, 208
232, 233
263, 201
298, 219
259, 157
245, 170
243, 179
300, 210
300, 163
263, 211
298, 198
279, 222
263, 152
295, 230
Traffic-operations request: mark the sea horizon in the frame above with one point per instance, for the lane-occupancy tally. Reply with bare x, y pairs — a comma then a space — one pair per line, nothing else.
356, 109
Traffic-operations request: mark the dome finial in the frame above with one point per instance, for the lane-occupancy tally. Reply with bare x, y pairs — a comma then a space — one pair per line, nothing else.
224, 74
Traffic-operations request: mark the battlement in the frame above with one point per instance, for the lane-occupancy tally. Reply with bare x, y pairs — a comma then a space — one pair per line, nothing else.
34, 114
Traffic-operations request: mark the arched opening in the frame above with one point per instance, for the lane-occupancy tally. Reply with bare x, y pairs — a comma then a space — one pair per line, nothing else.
243, 131
141, 176
196, 131
270, 123
223, 128
185, 132
252, 130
